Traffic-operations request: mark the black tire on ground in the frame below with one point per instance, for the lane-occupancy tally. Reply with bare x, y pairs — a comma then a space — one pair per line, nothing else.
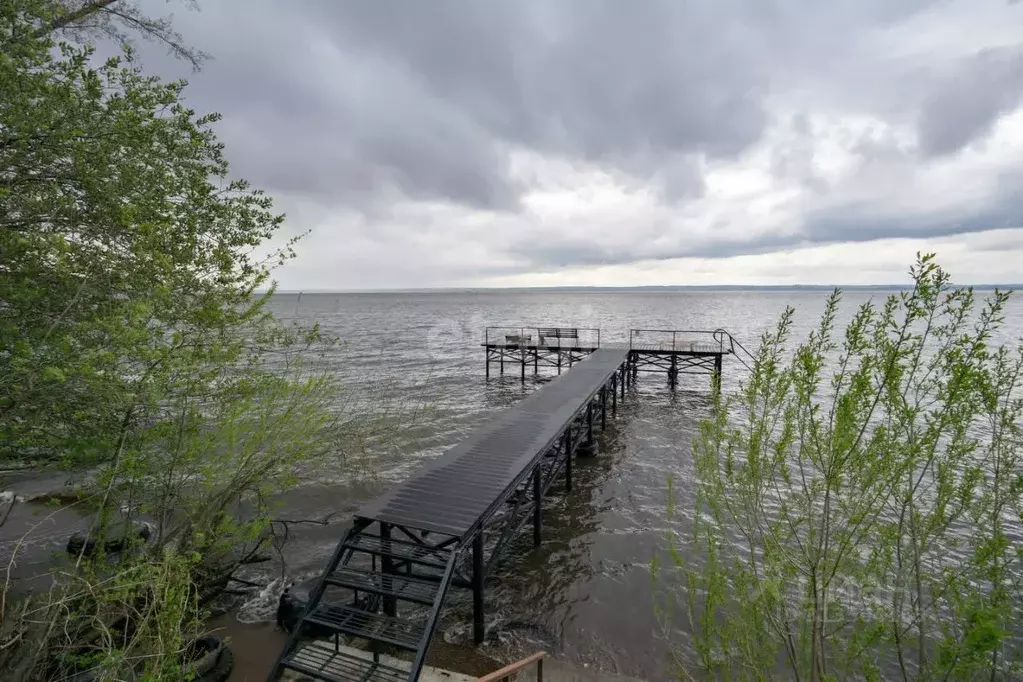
291, 606
214, 661
223, 669
78, 541
294, 599
203, 655
82, 543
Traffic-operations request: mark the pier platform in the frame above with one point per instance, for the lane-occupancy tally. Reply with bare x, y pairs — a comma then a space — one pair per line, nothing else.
671, 352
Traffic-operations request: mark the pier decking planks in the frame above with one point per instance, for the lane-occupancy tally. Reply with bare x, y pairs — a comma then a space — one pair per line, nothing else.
457, 491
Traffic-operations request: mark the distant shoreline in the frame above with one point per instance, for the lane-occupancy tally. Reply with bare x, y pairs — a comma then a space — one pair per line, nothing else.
632, 289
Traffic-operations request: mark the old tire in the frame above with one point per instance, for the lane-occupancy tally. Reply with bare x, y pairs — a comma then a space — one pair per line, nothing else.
292, 605
83, 543
213, 661
222, 670
294, 600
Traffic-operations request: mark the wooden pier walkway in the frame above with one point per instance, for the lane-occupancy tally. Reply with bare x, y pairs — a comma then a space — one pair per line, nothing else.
456, 492
450, 522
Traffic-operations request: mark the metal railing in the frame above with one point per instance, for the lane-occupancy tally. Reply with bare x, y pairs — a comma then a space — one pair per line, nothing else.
431, 621
679, 338
509, 670
716, 340
733, 345
533, 336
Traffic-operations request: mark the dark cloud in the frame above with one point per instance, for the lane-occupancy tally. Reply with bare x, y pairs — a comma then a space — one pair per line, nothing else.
854, 222
433, 125
968, 100
302, 116
425, 100
598, 79
865, 223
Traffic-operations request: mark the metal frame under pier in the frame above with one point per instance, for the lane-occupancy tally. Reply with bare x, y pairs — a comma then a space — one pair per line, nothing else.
578, 405
525, 504
556, 347
672, 352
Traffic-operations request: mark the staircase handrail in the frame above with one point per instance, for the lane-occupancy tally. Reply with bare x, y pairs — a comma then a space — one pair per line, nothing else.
721, 334
431, 622
511, 668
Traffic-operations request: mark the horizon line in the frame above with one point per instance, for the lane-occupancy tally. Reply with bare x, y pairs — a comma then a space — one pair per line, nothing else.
637, 287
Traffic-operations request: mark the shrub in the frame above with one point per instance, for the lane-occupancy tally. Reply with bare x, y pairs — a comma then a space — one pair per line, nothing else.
858, 500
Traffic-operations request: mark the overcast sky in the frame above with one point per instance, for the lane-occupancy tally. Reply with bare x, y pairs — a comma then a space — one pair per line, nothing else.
602, 142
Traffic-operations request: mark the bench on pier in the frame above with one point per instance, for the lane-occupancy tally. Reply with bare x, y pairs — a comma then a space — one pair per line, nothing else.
546, 333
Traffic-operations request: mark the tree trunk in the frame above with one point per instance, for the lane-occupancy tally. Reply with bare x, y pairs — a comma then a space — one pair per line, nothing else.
68, 18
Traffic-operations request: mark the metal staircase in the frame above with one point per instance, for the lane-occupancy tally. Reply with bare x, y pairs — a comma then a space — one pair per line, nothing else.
410, 570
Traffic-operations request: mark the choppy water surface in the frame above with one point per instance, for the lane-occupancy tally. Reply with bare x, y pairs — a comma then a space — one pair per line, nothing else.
586, 594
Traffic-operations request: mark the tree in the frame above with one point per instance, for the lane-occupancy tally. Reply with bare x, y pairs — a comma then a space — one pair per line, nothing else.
117, 21
857, 499
134, 346
124, 245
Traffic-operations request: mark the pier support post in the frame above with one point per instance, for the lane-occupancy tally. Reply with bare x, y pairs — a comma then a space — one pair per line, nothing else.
622, 372
523, 357
614, 394
387, 568
673, 372
588, 446
477, 588
536, 360
559, 361
568, 459
716, 379
488, 363
589, 423
502, 361
537, 507
604, 408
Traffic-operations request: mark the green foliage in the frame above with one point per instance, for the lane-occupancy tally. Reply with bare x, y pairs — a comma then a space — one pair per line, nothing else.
135, 348
135, 622
126, 250
857, 499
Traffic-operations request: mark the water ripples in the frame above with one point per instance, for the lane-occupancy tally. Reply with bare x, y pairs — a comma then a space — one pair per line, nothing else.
586, 593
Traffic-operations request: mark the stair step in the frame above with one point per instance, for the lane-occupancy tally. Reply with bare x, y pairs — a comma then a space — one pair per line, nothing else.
321, 662
375, 626
399, 549
408, 588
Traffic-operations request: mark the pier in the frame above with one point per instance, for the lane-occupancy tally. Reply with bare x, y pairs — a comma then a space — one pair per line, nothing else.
450, 522
668, 351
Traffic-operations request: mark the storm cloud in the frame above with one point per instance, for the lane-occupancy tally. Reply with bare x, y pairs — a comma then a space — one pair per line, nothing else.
453, 143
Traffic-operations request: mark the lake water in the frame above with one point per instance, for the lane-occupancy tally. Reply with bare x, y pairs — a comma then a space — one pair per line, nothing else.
586, 593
